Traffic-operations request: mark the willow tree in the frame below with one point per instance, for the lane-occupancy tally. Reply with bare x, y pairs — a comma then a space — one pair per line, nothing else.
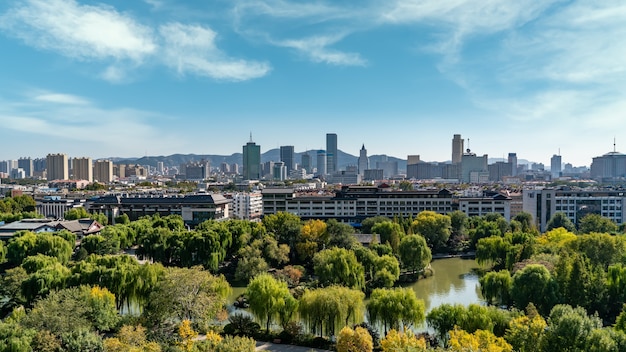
269, 299
414, 253
339, 266
328, 309
392, 307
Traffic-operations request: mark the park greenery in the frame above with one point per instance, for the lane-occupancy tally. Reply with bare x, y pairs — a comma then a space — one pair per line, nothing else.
156, 285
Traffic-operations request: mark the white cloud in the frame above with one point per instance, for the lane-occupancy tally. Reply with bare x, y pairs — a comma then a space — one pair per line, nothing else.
192, 49
77, 125
79, 31
60, 98
101, 33
317, 50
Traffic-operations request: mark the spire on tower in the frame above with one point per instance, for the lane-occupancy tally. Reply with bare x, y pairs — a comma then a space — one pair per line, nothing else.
250, 136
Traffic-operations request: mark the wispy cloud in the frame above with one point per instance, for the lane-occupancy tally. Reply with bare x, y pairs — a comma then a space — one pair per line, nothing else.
317, 49
60, 98
192, 49
71, 122
79, 31
99, 33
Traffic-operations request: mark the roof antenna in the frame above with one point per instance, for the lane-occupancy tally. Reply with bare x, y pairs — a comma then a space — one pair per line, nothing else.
614, 148
250, 136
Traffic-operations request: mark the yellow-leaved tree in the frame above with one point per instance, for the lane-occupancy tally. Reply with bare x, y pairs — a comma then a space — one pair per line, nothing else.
402, 341
479, 341
357, 340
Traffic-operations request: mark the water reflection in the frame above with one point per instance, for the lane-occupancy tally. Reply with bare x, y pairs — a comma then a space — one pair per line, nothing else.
454, 281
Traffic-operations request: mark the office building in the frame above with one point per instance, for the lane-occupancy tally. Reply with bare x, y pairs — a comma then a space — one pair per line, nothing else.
364, 162
305, 162
26, 164
247, 206
609, 167
322, 161
287, 157
279, 171
499, 170
457, 149
57, 167
474, 168
251, 161
331, 153
555, 166
82, 169
103, 171
513, 161
574, 203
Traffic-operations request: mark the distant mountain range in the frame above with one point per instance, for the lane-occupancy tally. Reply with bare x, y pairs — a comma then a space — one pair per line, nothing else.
344, 159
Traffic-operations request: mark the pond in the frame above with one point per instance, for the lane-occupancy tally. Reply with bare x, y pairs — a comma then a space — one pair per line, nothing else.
453, 281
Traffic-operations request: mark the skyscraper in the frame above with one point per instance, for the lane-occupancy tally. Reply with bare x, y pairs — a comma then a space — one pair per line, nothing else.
251, 161
364, 162
26, 164
513, 162
82, 169
286, 156
331, 153
457, 149
305, 161
321, 163
555, 166
103, 171
57, 167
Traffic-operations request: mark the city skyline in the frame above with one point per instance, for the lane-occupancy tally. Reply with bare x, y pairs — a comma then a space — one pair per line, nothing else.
128, 79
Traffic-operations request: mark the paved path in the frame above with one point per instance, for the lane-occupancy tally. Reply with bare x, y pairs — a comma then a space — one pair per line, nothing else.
273, 347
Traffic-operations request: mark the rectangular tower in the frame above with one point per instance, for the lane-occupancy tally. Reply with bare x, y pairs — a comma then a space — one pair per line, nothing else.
103, 171
286, 156
251, 161
331, 153
82, 169
457, 149
57, 167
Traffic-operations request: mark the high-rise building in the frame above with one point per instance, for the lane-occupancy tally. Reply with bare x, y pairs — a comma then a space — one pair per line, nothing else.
321, 162
305, 161
160, 168
364, 162
513, 161
234, 168
39, 165
286, 156
26, 164
103, 171
82, 169
279, 172
57, 167
457, 149
251, 161
331, 153
555, 166
474, 168
412, 159
225, 168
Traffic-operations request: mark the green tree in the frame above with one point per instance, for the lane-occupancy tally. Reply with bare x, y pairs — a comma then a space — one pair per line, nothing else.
526, 221
596, 223
268, 297
560, 219
535, 284
492, 250
390, 233
328, 309
444, 318
284, 226
185, 293
435, 228
368, 224
340, 234
3, 252
414, 253
338, 266
392, 308
568, 329
76, 213
496, 287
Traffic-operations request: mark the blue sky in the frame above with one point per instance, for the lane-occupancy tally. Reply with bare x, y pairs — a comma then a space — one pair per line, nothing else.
157, 77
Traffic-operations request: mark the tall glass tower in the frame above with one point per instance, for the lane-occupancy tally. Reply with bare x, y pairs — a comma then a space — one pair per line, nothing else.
331, 153
251, 161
